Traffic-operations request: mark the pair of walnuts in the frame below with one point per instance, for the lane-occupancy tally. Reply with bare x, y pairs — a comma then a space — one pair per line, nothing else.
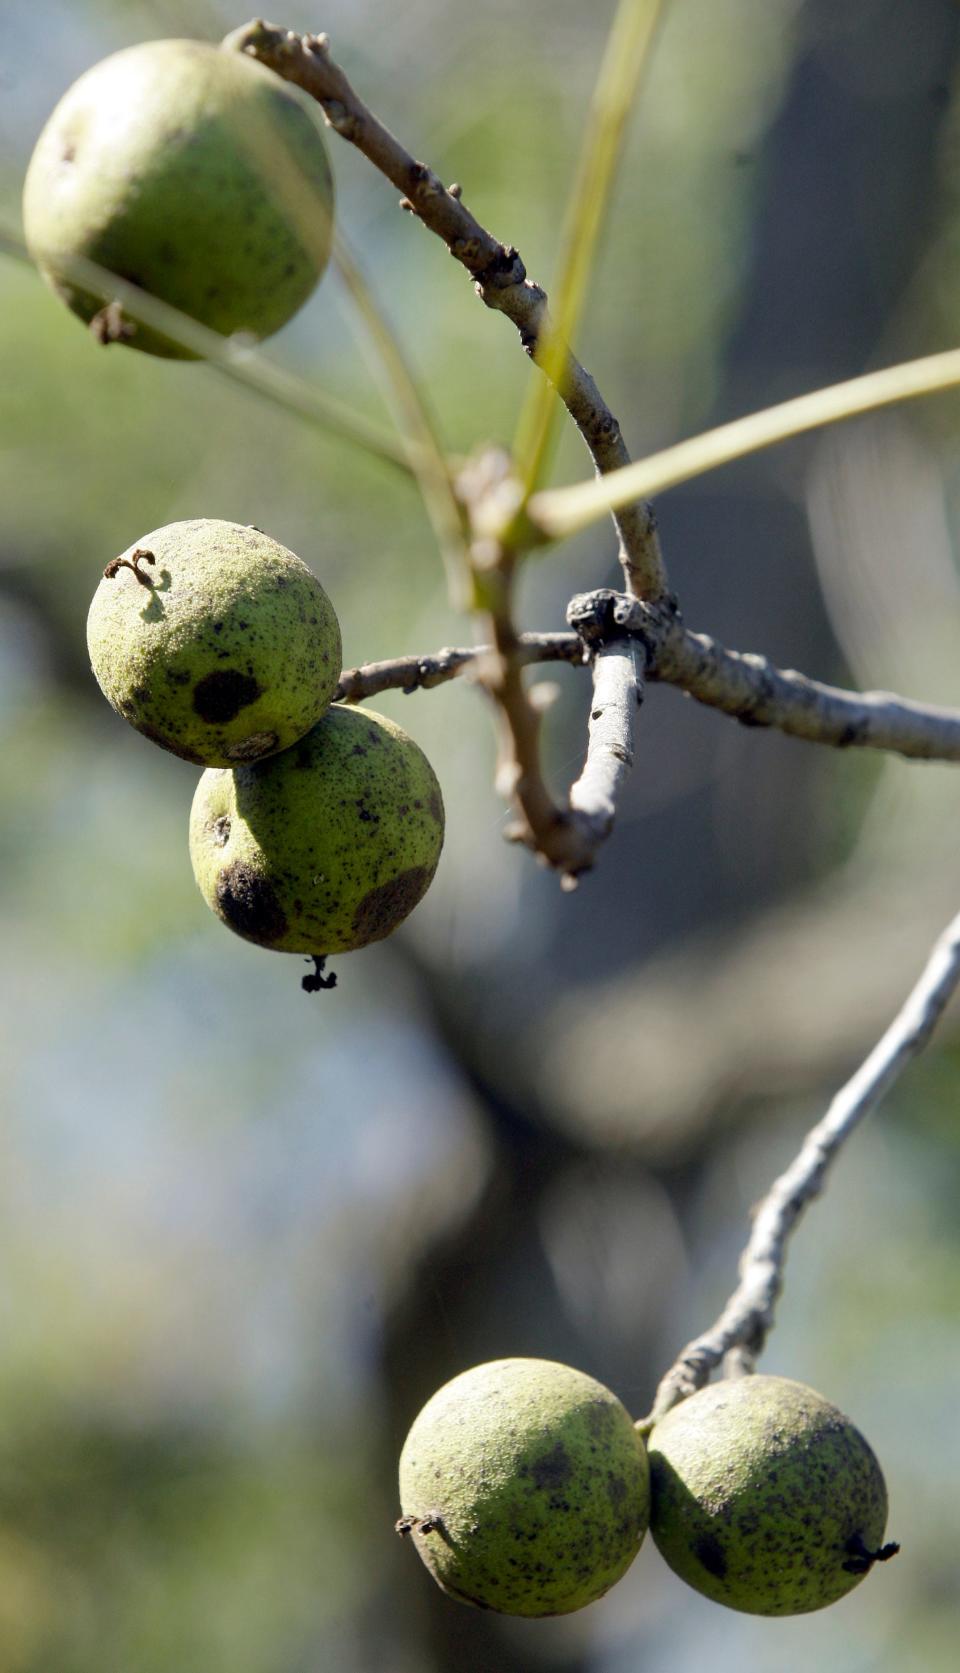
202, 178
528, 1489
316, 828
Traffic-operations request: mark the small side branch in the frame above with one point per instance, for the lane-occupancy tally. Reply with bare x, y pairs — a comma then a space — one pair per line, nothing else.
740, 1333
422, 673
497, 269
568, 838
618, 671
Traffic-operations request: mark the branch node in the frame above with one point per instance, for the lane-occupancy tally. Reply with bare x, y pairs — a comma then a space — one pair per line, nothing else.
591, 615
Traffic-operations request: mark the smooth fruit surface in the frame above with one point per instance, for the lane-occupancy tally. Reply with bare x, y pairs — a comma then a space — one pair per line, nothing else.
525, 1487
325, 847
228, 649
192, 172
764, 1496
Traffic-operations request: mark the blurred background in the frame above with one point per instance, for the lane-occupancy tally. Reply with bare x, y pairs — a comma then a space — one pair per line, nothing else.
245, 1233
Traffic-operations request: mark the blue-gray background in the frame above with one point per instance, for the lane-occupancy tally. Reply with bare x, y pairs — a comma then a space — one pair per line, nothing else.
243, 1233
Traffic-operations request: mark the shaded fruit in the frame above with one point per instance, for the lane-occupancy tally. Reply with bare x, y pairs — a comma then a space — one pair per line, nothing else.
192, 172
525, 1488
765, 1497
215, 641
325, 847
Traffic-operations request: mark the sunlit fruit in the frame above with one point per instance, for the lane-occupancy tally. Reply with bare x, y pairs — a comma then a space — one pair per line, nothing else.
215, 641
192, 172
524, 1486
325, 847
765, 1497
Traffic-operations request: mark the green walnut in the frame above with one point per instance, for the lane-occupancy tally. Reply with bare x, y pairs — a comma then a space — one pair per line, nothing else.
214, 641
525, 1487
765, 1497
326, 846
192, 172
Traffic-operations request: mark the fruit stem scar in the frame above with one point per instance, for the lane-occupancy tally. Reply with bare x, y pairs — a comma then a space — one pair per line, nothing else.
860, 1560
141, 555
109, 325
313, 984
432, 1523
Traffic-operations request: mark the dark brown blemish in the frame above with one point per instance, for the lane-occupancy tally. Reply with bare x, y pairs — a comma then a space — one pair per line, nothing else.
248, 903
386, 906
220, 830
254, 748
220, 696
708, 1551
436, 807
553, 1470
598, 1417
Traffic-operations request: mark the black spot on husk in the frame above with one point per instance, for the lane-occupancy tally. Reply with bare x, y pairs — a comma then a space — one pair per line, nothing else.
218, 697
385, 907
709, 1552
248, 903
554, 1470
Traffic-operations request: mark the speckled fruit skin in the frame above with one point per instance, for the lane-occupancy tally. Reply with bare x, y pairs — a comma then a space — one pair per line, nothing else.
192, 172
231, 653
325, 847
760, 1489
537, 1481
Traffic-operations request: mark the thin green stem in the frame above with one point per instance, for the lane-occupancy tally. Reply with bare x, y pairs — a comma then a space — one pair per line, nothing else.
562, 511
427, 457
627, 53
233, 359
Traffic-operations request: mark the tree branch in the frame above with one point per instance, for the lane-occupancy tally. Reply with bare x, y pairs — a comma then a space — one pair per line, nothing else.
618, 670
568, 838
755, 692
741, 1330
422, 673
747, 687
497, 270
